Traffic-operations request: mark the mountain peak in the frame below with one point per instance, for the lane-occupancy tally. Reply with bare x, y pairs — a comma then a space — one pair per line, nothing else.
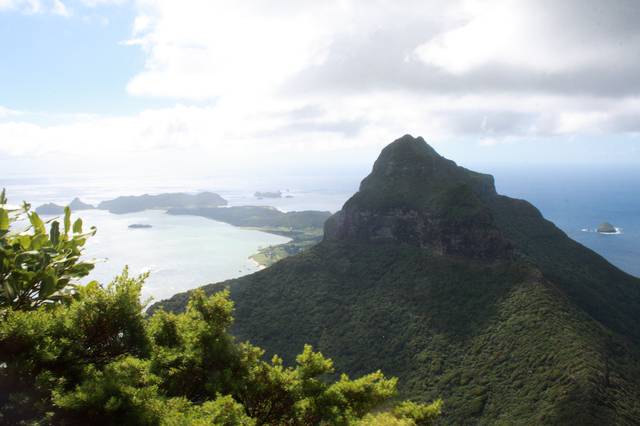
414, 195
407, 147
412, 167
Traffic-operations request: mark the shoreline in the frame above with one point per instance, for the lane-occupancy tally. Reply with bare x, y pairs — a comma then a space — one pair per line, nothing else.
258, 265
595, 231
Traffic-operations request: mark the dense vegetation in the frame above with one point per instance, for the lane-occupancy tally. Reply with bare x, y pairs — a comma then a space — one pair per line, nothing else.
73, 354
496, 342
41, 266
431, 276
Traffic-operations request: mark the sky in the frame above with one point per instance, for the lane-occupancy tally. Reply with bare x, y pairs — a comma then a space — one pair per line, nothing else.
297, 87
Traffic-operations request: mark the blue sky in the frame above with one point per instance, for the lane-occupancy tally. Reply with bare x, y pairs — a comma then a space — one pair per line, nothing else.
239, 87
69, 64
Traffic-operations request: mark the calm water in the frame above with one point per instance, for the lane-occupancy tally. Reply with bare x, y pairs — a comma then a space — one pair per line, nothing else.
579, 198
183, 252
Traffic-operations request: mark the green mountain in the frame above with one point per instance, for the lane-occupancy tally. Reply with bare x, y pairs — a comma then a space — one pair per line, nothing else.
430, 275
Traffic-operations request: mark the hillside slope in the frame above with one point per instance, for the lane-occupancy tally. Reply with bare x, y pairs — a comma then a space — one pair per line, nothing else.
428, 274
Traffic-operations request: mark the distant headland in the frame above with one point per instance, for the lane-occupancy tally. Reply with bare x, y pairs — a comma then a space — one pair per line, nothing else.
51, 208
138, 203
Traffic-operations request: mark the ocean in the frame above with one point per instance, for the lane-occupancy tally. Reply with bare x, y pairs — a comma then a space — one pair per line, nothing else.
183, 252
578, 199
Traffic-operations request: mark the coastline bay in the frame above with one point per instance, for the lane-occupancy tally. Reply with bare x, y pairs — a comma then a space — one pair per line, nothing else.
180, 252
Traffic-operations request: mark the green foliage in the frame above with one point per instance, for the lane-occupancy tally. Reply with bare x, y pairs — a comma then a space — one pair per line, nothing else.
38, 267
406, 414
421, 414
122, 390
97, 357
496, 341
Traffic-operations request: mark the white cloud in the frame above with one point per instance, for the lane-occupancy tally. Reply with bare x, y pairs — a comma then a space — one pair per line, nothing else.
298, 76
24, 6
199, 49
515, 33
59, 8
6, 112
95, 3
55, 7
141, 24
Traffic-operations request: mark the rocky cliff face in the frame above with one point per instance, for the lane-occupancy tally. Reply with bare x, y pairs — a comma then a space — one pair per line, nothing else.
415, 196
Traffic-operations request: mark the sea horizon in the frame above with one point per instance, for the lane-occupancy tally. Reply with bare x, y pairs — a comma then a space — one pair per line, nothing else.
572, 198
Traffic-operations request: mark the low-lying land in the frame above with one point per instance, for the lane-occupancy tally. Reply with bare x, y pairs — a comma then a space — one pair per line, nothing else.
301, 239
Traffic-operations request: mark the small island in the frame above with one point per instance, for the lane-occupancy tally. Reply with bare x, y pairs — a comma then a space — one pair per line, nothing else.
54, 209
139, 226
50, 209
607, 228
77, 205
259, 195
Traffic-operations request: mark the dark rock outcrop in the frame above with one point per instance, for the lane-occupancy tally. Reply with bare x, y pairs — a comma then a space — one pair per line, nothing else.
415, 196
607, 228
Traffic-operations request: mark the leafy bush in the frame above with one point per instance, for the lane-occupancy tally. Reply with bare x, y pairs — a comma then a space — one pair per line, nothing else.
36, 266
